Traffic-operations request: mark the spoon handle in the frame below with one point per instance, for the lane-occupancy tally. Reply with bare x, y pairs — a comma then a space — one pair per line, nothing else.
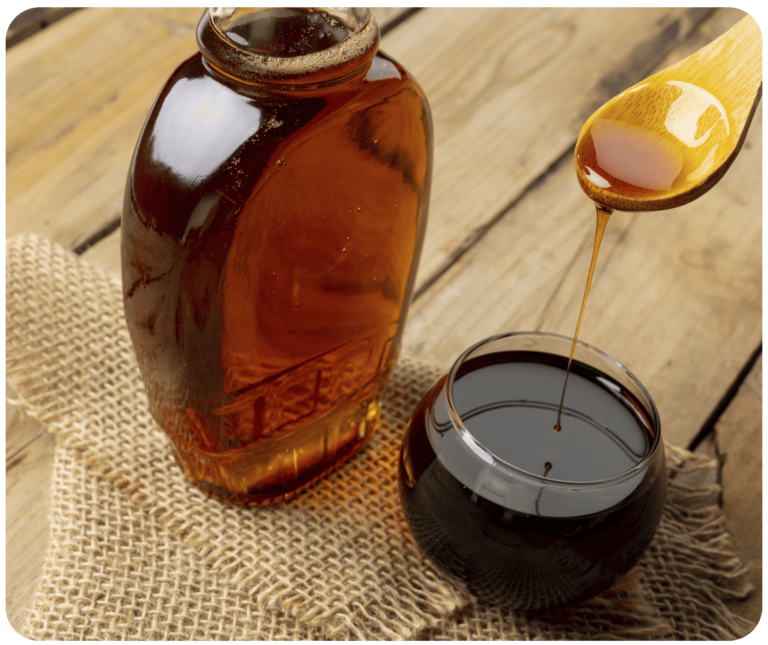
730, 68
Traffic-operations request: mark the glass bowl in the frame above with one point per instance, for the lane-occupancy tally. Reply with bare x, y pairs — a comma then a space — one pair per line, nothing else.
517, 513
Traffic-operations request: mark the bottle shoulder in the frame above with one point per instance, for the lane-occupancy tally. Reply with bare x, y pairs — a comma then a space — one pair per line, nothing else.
201, 109
205, 134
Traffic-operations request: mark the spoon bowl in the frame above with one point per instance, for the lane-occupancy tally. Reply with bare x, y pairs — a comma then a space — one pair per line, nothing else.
667, 140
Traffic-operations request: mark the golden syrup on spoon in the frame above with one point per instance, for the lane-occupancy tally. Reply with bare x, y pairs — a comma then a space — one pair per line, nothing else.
658, 140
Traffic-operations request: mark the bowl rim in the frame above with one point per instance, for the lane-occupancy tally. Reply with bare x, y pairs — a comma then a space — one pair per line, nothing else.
489, 456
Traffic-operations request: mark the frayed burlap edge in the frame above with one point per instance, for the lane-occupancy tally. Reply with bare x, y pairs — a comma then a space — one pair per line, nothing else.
60, 309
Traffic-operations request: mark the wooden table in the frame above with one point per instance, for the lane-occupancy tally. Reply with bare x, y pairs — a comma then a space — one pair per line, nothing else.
677, 295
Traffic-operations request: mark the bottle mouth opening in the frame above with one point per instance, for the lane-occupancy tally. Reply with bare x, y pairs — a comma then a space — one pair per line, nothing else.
287, 32
280, 46
556, 345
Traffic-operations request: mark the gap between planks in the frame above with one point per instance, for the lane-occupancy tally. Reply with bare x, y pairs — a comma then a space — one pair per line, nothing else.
736, 444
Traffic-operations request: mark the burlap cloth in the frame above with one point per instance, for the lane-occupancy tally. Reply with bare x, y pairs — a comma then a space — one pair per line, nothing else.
138, 553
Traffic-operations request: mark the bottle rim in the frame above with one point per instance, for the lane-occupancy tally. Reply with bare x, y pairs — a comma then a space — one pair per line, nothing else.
327, 66
491, 458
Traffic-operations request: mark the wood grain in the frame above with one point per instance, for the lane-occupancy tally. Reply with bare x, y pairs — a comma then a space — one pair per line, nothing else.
27, 486
31, 21
74, 112
75, 107
522, 71
529, 271
710, 29
20, 429
554, 190
387, 15
737, 443
106, 254
510, 90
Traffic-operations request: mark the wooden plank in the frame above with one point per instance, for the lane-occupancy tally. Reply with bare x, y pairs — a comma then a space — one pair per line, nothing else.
676, 296
387, 15
526, 82
73, 120
20, 429
74, 112
737, 443
720, 21
31, 21
29, 462
27, 484
106, 253
75, 109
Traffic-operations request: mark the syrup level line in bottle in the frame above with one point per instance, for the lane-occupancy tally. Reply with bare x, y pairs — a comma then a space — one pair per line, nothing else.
603, 215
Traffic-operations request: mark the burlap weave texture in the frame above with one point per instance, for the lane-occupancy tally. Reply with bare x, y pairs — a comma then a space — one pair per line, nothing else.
138, 553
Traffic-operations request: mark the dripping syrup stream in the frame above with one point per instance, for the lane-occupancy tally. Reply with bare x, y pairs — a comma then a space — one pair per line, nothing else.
603, 215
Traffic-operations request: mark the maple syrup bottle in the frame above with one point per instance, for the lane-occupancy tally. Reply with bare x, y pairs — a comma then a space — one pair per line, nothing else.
274, 215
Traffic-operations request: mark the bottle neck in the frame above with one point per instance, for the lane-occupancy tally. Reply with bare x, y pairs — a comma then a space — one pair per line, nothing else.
303, 48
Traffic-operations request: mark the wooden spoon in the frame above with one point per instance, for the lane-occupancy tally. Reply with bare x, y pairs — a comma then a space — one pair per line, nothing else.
667, 140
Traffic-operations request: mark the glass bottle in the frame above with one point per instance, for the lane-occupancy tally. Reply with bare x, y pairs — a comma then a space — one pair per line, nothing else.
274, 216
